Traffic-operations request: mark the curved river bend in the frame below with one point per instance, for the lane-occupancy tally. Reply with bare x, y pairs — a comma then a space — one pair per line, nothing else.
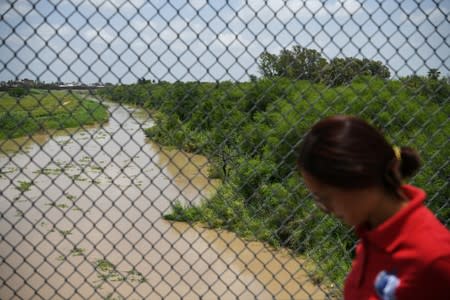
82, 218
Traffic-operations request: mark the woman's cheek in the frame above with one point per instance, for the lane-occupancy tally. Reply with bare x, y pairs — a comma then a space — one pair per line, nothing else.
350, 217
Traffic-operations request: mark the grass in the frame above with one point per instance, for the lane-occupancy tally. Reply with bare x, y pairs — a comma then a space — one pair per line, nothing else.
77, 251
74, 252
41, 110
70, 197
107, 271
24, 186
54, 204
64, 233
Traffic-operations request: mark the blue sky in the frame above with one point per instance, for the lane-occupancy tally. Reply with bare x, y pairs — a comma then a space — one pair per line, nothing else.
123, 40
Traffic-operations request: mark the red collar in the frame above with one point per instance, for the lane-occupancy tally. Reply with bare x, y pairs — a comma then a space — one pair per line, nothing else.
388, 234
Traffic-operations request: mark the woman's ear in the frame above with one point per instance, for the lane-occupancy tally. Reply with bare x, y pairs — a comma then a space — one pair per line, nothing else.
396, 170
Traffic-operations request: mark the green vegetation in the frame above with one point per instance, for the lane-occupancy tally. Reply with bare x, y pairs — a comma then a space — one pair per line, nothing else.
74, 252
107, 271
24, 114
308, 64
64, 233
70, 197
77, 251
61, 205
24, 186
250, 131
18, 92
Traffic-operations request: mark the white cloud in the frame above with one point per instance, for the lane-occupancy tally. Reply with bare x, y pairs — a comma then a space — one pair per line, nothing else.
66, 31
197, 4
116, 3
301, 10
45, 31
21, 6
242, 32
432, 14
351, 6
332, 9
104, 35
228, 38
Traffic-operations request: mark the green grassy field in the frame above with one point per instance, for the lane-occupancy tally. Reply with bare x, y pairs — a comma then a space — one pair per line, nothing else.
40, 110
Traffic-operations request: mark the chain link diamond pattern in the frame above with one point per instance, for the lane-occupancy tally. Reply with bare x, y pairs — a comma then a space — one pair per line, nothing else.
92, 195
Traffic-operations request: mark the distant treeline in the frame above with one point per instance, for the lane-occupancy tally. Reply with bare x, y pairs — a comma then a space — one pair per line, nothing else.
308, 64
36, 84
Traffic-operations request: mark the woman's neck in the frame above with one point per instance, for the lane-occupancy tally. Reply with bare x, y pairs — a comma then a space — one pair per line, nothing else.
388, 206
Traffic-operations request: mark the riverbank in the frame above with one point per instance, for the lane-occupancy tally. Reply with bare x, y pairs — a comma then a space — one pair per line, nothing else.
40, 110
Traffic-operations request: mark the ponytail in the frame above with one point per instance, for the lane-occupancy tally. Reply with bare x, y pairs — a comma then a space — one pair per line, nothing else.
409, 162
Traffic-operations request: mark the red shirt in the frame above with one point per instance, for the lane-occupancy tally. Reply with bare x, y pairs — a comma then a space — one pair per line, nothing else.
406, 257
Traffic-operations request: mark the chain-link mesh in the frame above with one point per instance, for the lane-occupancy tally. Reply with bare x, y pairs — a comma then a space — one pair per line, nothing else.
148, 147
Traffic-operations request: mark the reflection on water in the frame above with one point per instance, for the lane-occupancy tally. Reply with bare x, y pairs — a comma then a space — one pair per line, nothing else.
82, 218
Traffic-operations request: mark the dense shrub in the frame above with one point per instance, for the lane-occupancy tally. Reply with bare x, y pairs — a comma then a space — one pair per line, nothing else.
18, 92
250, 132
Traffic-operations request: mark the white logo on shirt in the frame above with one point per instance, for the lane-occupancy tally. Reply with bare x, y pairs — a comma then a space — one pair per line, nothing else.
385, 285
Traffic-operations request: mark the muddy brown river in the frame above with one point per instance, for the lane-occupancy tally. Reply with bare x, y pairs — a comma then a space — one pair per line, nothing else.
81, 217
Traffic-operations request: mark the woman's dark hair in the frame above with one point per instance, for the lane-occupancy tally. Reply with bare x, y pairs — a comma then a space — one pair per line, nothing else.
345, 151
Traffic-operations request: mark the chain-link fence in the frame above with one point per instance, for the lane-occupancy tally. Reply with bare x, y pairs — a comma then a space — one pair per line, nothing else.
148, 147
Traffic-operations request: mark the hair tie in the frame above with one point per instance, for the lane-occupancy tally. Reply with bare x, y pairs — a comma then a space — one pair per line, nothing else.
397, 152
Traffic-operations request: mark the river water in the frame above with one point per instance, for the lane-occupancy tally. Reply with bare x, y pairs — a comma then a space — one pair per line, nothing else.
81, 217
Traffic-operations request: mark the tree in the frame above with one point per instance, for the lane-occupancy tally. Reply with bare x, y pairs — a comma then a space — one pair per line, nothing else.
285, 65
343, 70
434, 74
142, 81
299, 63
18, 92
375, 68
268, 64
308, 64
336, 72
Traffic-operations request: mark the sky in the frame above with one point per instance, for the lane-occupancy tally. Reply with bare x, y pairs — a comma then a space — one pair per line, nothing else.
120, 41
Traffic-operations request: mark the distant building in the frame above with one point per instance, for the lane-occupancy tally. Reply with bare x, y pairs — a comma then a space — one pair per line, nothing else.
27, 82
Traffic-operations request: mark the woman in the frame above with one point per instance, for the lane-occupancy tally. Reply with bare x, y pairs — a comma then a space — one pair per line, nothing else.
356, 175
